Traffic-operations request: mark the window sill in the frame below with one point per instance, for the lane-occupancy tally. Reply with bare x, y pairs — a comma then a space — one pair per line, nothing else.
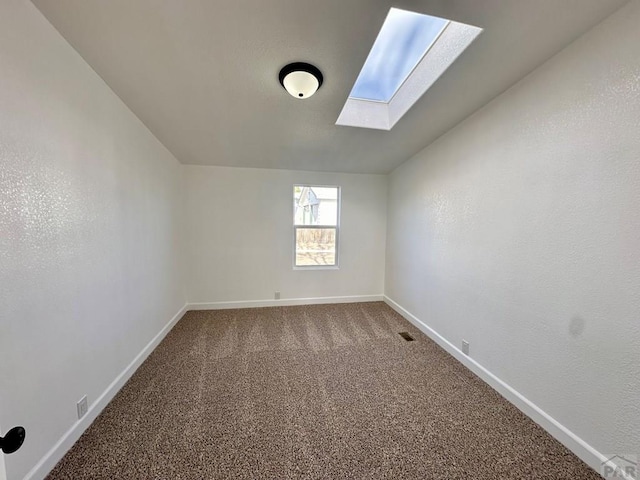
318, 267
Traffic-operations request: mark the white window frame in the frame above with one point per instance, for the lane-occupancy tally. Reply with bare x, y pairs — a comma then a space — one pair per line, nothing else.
336, 266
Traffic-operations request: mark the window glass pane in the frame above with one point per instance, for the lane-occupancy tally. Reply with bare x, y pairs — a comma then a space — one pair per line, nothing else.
403, 40
315, 205
315, 246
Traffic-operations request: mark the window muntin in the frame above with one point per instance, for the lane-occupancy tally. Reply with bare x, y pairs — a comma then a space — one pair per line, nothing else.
316, 215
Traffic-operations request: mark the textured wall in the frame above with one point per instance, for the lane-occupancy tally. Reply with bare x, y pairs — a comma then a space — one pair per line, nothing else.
519, 231
89, 210
240, 234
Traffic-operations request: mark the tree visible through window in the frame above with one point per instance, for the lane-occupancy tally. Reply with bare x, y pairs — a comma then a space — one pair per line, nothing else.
316, 212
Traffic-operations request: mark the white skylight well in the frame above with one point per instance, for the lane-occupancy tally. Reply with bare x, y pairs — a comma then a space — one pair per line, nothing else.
411, 52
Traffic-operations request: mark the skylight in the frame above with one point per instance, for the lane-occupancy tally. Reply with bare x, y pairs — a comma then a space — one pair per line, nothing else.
403, 40
411, 52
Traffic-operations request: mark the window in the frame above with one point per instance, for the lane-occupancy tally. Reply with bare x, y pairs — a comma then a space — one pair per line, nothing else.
316, 220
410, 54
404, 39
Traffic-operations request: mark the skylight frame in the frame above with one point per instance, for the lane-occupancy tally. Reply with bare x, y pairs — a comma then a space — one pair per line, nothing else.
452, 40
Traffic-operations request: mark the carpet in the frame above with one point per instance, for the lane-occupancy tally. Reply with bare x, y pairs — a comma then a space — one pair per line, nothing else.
310, 392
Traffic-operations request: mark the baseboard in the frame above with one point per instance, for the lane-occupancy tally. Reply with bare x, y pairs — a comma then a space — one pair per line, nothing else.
3, 472
53, 456
284, 302
582, 449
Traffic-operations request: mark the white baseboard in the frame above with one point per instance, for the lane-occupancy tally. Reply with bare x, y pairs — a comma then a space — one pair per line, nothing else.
53, 456
3, 472
284, 302
582, 449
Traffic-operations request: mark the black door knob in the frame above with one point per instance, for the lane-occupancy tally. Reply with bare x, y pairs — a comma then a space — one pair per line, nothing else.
13, 440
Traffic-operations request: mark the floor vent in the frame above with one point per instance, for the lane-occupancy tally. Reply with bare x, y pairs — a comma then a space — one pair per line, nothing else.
406, 336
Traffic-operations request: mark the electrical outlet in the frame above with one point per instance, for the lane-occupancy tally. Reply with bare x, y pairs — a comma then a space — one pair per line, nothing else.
82, 407
277, 296
465, 347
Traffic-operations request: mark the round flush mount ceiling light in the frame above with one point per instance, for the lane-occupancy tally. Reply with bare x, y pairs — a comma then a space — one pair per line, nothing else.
300, 79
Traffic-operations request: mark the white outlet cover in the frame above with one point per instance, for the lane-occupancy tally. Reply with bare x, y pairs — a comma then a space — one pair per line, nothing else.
82, 407
465, 347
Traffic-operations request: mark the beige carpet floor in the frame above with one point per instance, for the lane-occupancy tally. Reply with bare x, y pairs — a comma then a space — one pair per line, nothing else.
314, 392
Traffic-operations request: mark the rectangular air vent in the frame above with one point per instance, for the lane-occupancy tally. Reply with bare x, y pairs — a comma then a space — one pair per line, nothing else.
406, 336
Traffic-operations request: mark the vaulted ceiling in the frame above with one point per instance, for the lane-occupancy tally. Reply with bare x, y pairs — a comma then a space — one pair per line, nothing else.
203, 75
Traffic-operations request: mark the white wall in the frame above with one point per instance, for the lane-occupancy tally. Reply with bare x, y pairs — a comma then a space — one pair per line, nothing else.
89, 212
240, 235
519, 231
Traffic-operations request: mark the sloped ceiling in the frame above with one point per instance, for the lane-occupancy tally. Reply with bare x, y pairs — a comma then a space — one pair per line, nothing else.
202, 74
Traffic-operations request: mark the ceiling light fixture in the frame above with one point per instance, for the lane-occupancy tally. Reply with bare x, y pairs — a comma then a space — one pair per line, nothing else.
300, 79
